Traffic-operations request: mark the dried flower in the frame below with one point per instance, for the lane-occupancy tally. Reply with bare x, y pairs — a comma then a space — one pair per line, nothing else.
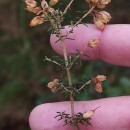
51, 10
88, 114
100, 78
105, 2
31, 3
94, 1
93, 43
36, 21
99, 24
44, 4
53, 2
33, 10
98, 87
100, 3
54, 89
51, 85
103, 16
98, 82
55, 81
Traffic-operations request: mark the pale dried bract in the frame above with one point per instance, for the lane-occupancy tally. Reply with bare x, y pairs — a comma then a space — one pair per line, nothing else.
93, 43
31, 3
100, 78
99, 24
103, 16
88, 114
36, 21
98, 87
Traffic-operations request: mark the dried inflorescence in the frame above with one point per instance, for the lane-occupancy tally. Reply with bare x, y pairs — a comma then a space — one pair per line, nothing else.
54, 85
100, 17
97, 81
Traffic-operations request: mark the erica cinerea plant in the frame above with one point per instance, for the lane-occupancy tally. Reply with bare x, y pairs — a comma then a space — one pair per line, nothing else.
45, 11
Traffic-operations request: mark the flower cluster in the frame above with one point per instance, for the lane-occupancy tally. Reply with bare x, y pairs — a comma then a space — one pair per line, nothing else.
97, 81
43, 12
100, 17
99, 3
53, 85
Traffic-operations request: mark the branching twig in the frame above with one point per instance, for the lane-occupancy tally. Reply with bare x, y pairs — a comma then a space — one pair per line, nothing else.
65, 88
47, 59
68, 6
88, 82
84, 16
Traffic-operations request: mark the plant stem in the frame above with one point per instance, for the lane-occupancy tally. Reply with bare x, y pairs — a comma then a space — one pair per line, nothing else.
69, 77
68, 6
84, 16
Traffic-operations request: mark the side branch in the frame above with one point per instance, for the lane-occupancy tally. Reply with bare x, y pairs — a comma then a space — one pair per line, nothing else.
68, 6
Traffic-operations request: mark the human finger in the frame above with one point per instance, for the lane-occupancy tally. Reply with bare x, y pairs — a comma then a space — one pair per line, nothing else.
112, 115
114, 44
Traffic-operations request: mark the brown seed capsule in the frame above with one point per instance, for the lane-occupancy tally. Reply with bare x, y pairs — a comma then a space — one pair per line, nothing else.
51, 10
53, 2
44, 4
100, 78
54, 89
103, 16
88, 114
99, 24
105, 2
94, 1
98, 87
36, 21
31, 3
93, 43
51, 85
33, 10
56, 81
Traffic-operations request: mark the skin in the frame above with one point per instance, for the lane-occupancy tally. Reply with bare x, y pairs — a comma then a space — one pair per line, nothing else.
114, 112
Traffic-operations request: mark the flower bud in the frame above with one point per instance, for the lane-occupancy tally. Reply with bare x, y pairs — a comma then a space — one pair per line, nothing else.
53, 2
33, 10
98, 87
99, 24
36, 21
88, 114
51, 85
100, 78
31, 3
93, 43
103, 16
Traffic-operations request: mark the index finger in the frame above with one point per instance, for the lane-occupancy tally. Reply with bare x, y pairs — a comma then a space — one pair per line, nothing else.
112, 115
114, 44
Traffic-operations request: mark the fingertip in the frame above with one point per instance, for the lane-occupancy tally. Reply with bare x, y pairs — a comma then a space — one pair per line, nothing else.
78, 40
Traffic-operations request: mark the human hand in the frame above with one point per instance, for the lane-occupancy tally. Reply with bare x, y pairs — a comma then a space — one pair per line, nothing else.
114, 112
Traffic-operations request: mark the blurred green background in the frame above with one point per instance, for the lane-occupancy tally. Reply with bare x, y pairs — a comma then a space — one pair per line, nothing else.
24, 75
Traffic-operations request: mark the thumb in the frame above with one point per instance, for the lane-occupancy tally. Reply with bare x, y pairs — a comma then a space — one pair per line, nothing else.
112, 115
114, 44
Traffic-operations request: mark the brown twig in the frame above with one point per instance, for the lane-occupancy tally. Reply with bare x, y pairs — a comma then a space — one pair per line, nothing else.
88, 82
68, 6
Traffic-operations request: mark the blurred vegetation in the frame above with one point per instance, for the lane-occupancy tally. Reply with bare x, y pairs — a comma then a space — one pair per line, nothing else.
24, 75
